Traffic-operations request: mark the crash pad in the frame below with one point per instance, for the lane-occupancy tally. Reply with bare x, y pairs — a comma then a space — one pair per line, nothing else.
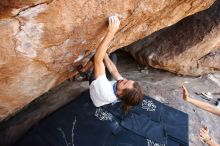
80, 123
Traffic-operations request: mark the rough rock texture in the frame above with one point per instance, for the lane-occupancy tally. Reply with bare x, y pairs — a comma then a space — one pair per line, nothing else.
42, 42
211, 60
188, 48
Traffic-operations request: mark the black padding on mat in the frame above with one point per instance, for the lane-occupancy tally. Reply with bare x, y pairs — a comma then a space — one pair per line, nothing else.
80, 123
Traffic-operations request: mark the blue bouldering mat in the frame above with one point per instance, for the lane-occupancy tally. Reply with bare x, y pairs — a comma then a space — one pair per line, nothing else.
80, 123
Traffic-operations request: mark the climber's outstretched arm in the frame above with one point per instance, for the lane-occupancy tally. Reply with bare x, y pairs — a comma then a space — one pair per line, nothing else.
101, 50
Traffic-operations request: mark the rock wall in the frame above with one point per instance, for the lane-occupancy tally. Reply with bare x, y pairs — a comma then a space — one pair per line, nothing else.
189, 47
42, 42
211, 61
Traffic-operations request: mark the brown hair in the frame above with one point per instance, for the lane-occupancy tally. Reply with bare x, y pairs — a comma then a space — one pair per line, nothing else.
131, 97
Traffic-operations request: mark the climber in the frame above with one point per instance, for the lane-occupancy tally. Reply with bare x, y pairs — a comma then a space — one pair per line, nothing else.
103, 91
203, 105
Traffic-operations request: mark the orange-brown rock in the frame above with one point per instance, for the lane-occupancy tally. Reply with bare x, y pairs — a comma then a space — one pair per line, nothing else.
42, 42
187, 48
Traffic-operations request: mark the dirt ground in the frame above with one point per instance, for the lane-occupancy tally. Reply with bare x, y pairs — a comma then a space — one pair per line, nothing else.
165, 87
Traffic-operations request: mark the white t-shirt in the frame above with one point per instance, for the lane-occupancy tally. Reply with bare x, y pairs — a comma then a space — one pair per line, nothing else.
101, 91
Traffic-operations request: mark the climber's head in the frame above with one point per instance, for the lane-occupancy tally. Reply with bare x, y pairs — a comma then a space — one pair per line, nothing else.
130, 93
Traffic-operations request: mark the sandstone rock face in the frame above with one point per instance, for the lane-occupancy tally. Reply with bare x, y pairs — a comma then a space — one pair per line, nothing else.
188, 48
211, 60
42, 42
